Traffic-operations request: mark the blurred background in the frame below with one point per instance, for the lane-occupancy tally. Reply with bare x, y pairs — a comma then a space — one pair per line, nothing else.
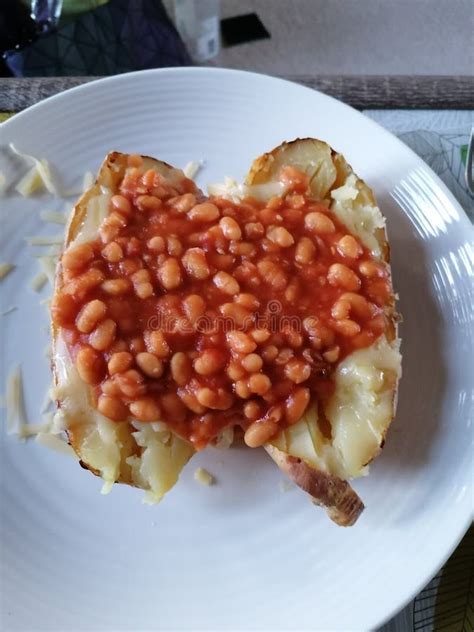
103, 37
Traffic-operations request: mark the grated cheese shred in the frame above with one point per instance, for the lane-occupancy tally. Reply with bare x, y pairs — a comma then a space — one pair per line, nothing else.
38, 176
44, 240
48, 267
192, 169
5, 269
53, 217
38, 281
203, 477
16, 417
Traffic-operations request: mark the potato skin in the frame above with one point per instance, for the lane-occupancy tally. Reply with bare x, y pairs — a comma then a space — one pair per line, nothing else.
320, 161
327, 169
110, 175
342, 503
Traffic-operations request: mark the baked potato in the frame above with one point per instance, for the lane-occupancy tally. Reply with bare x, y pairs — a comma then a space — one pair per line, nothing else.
144, 455
363, 405
335, 439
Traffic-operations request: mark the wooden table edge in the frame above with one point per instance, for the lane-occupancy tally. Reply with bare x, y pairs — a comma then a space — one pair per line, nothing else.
360, 91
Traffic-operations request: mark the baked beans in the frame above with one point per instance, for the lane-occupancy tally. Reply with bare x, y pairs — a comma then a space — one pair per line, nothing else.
305, 250
259, 432
230, 228
156, 244
103, 335
296, 405
112, 407
80, 285
205, 212
252, 409
112, 252
149, 364
207, 313
115, 287
180, 366
280, 236
297, 370
121, 204
90, 315
349, 247
184, 203
195, 263
77, 257
119, 362
90, 365
130, 383
169, 274
194, 307
240, 342
226, 283
210, 361
155, 342
339, 275
319, 223
146, 409
252, 362
259, 383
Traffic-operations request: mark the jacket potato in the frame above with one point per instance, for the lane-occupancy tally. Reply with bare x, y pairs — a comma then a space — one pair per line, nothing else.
335, 437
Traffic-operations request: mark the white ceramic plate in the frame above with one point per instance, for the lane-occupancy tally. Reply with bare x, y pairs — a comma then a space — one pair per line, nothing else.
241, 554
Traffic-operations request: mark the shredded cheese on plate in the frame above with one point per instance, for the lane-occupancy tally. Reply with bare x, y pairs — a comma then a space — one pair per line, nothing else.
38, 281
16, 417
39, 175
53, 217
44, 240
203, 477
192, 168
5, 268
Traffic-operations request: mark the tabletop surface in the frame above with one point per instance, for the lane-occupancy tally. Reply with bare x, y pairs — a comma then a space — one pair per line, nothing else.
359, 91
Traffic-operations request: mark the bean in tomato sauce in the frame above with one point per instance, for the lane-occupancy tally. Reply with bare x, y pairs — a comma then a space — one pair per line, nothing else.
207, 313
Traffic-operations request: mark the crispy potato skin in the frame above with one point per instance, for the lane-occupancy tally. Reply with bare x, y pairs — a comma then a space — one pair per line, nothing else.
343, 505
